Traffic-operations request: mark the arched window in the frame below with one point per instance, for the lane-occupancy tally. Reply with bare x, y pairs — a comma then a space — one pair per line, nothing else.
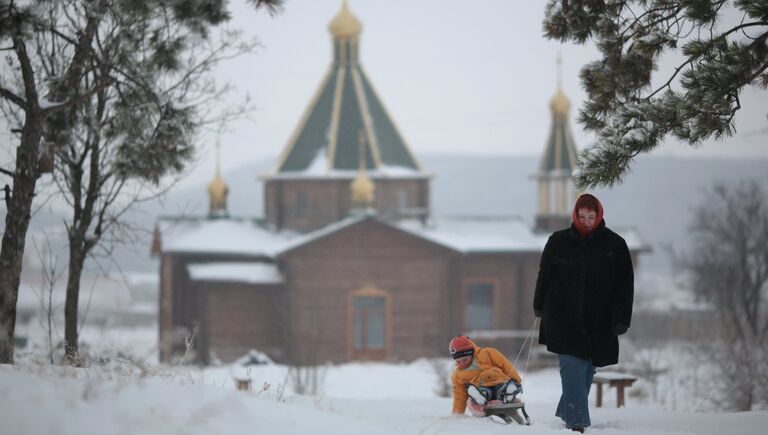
370, 324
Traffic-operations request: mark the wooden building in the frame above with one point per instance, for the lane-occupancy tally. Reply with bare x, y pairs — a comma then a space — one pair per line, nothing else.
348, 263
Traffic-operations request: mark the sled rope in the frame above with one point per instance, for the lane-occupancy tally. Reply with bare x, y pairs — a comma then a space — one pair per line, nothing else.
527, 337
530, 346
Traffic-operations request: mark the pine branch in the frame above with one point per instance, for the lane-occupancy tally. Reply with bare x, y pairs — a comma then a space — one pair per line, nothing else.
79, 99
669, 81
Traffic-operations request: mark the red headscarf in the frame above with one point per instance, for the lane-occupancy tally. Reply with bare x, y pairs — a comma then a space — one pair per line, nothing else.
589, 202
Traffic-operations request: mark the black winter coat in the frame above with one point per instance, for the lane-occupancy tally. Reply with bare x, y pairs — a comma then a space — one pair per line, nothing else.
584, 294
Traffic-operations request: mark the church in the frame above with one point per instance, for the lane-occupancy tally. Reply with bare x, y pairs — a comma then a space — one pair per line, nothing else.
348, 263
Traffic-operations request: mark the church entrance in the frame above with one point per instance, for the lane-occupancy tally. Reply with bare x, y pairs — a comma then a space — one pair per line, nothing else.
370, 324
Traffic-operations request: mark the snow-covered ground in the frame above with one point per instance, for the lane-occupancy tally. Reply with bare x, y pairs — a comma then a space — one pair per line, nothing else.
357, 398
124, 391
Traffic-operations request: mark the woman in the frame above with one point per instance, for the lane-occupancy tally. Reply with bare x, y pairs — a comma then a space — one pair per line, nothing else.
584, 297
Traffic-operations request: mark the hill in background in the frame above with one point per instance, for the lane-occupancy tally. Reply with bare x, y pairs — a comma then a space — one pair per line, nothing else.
657, 198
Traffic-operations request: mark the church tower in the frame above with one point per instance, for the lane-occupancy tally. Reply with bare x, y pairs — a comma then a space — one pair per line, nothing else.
309, 187
556, 189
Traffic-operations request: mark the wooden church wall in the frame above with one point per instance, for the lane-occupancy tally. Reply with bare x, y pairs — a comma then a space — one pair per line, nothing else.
240, 317
182, 306
368, 256
309, 204
513, 276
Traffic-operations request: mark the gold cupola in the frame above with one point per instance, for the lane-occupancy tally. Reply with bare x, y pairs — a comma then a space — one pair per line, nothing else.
559, 160
560, 104
217, 189
325, 145
362, 188
345, 25
344, 104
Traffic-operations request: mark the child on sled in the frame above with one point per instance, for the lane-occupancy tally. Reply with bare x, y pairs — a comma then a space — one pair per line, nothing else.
482, 375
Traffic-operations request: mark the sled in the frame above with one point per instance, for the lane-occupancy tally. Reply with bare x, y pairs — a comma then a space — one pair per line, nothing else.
508, 412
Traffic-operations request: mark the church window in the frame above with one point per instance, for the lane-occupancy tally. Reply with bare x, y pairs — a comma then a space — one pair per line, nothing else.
479, 306
369, 322
370, 318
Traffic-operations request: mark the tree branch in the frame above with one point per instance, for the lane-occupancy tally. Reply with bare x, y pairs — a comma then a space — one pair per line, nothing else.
691, 59
12, 97
742, 26
653, 23
669, 82
79, 98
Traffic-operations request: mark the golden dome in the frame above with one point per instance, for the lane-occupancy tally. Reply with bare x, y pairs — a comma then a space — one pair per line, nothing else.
344, 24
560, 104
217, 189
362, 190
217, 193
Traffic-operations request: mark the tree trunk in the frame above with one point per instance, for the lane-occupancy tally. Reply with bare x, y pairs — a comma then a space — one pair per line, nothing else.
16, 225
76, 261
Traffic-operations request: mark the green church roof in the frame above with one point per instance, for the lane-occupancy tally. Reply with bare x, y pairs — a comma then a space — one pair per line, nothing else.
346, 104
559, 156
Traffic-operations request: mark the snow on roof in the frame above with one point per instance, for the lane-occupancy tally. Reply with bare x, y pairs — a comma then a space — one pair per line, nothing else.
250, 272
495, 234
326, 230
224, 235
469, 234
479, 234
633, 239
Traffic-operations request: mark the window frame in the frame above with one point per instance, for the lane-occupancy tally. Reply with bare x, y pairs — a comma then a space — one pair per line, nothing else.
495, 303
362, 354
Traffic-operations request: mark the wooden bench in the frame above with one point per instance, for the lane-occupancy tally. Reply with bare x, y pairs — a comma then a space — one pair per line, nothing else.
617, 380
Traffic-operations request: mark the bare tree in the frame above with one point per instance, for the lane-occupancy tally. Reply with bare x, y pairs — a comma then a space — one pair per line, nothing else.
51, 270
121, 53
97, 172
307, 380
25, 100
306, 373
442, 368
728, 266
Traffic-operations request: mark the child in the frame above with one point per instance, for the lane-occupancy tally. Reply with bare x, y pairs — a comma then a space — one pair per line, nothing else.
483, 374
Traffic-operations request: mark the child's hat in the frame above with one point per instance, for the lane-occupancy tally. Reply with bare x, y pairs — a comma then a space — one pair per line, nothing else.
461, 346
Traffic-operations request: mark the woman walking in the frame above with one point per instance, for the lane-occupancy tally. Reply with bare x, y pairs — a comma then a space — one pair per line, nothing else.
584, 295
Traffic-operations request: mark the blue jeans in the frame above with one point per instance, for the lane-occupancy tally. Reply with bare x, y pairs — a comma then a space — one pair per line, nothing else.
576, 377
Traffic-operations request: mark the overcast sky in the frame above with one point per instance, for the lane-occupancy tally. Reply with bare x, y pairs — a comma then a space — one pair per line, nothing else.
456, 76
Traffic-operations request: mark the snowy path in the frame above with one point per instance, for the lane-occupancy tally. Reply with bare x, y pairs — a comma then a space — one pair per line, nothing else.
49, 400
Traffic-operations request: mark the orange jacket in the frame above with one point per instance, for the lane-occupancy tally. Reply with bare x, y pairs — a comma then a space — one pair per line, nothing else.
489, 367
